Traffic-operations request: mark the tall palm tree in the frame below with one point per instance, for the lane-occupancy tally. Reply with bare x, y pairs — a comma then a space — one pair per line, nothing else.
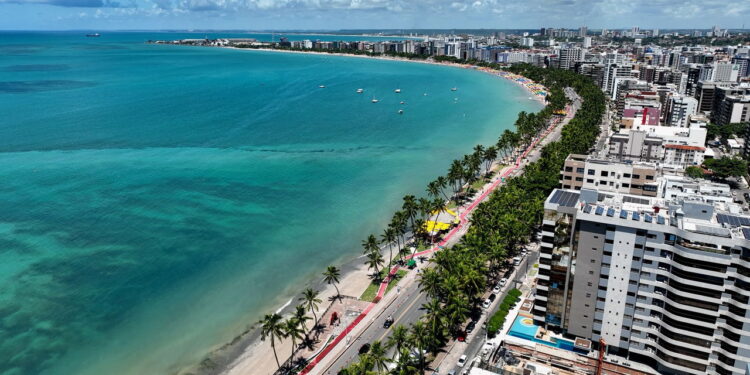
377, 357
388, 236
375, 261
410, 208
271, 326
293, 331
300, 316
418, 337
332, 276
398, 339
370, 244
442, 182
311, 301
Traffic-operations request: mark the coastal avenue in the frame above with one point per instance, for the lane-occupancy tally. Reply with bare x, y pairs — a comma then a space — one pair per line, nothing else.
405, 307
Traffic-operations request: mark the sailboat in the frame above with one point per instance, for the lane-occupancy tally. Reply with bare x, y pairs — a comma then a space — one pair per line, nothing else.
359, 91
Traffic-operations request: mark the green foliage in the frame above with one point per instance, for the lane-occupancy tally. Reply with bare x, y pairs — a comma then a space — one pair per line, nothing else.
694, 172
498, 318
726, 167
725, 132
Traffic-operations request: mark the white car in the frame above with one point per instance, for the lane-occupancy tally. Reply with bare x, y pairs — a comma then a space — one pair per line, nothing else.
486, 304
502, 282
496, 289
461, 361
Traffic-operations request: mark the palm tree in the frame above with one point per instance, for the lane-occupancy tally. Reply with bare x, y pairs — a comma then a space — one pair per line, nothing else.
370, 244
442, 182
398, 339
374, 261
377, 357
293, 331
405, 364
300, 316
410, 208
311, 301
419, 337
332, 275
430, 282
388, 236
271, 326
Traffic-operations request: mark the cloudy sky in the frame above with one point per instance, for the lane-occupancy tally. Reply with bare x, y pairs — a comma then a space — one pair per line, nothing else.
359, 14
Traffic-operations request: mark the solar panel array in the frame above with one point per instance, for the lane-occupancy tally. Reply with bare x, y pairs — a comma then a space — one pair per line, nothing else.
733, 220
564, 198
746, 233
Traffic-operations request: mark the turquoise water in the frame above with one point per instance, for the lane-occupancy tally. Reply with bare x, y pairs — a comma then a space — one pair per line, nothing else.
157, 199
528, 331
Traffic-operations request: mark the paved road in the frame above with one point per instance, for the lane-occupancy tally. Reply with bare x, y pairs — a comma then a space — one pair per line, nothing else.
406, 307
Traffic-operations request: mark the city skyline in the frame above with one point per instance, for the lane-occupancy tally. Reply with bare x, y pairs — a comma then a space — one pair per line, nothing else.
365, 14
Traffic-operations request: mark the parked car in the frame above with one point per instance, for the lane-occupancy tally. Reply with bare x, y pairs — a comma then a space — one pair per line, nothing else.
502, 282
516, 261
364, 348
461, 337
461, 361
497, 289
388, 322
486, 304
470, 327
492, 297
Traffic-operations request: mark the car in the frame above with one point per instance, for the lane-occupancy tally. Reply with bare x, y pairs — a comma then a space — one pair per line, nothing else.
497, 289
502, 282
461, 337
470, 327
747, 196
388, 322
492, 297
486, 304
516, 261
364, 348
451, 372
461, 361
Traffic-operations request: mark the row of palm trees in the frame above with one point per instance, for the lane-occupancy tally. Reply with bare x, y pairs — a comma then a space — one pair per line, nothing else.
407, 346
504, 222
274, 327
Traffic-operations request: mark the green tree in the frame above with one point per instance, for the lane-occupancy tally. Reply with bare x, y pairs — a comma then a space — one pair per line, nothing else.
311, 302
272, 326
726, 167
294, 332
331, 276
694, 172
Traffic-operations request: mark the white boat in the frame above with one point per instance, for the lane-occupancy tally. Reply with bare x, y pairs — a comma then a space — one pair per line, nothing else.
359, 91
400, 111
454, 88
397, 91
403, 102
322, 86
374, 100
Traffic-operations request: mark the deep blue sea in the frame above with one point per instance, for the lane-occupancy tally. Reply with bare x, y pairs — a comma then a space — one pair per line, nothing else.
154, 199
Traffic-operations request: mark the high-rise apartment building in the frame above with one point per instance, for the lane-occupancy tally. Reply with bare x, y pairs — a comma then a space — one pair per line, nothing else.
664, 281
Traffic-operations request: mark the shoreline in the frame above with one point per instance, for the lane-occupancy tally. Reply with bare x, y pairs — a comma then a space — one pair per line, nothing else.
246, 353
528, 85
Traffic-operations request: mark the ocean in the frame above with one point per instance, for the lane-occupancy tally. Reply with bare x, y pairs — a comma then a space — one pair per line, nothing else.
155, 200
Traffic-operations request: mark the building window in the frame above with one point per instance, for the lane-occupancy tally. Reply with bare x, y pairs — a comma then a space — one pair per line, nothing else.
590, 180
579, 170
605, 173
636, 176
626, 175
591, 172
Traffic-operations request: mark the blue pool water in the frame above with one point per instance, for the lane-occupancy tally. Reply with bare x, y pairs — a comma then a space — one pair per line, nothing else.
525, 328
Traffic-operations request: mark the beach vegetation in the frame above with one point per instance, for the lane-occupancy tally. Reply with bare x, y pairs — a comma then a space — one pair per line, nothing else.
272, 327
332, 276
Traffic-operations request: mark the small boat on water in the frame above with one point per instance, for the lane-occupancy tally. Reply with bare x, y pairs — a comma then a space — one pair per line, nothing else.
359, 91
400, 111
397, 91
94, 35
403, 102
375, 100
454, 88
322, 86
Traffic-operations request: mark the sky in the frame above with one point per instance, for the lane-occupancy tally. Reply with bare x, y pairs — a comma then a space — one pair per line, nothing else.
368, 14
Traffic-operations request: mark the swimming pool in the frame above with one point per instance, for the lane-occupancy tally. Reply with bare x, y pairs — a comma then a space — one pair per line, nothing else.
524, 327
